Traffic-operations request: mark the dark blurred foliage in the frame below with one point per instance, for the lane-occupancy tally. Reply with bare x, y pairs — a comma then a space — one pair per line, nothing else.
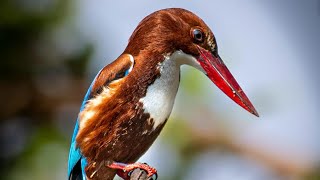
36, 77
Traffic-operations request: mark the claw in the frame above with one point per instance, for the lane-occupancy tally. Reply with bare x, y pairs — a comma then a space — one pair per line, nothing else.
125, 170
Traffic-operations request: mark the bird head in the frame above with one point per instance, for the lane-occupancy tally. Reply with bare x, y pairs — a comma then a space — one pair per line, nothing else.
178, 31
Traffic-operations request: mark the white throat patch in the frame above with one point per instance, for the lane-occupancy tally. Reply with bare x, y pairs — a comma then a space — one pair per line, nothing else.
160, 96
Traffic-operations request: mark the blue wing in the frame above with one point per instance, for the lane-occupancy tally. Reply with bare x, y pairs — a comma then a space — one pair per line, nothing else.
77, 162
120, 68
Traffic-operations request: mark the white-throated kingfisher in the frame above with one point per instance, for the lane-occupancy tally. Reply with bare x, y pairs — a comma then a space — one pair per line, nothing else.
130, 100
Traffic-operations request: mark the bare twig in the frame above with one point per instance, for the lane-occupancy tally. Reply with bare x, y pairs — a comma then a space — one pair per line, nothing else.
139, 174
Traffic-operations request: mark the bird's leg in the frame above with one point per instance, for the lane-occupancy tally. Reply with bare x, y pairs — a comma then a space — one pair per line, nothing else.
125, 170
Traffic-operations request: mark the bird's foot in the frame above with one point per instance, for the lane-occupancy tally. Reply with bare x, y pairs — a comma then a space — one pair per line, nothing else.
125, 170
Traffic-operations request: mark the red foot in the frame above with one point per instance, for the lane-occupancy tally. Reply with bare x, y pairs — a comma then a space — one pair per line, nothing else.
124, 170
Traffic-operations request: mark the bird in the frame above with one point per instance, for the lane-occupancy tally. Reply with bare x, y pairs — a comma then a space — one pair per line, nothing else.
130, 100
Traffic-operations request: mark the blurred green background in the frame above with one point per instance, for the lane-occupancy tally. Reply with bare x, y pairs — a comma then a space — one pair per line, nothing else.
50, 50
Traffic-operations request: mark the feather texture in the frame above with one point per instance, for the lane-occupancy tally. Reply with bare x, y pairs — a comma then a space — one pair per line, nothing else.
106, 76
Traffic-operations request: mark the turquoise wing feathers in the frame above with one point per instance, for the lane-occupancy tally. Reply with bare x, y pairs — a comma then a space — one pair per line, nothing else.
75, 157
120, 68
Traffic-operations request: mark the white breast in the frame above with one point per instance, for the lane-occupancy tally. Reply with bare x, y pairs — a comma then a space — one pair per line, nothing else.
160, 96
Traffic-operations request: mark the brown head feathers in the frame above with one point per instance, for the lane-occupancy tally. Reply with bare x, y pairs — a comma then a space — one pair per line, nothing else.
168, 30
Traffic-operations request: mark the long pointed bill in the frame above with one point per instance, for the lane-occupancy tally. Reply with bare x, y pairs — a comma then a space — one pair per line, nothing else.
219, 74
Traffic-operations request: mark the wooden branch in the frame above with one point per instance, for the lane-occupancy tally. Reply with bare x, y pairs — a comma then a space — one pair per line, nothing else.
139, 174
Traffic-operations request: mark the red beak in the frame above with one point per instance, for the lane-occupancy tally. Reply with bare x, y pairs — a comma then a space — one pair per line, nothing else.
219, 74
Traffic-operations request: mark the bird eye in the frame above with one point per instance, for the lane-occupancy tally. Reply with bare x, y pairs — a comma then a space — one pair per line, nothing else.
197, 35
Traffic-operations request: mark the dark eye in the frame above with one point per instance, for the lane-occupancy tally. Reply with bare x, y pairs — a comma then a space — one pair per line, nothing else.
197, 35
